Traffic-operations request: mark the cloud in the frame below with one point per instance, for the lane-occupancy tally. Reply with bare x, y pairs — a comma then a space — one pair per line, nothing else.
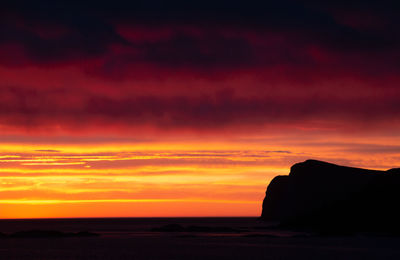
48, 151
197, 65
36, 110
193, 35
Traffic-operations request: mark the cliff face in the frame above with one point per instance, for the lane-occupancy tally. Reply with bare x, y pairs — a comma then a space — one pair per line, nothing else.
319, 195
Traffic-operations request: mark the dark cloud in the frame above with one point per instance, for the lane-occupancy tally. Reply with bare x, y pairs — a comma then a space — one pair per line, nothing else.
224, 109
307, 60
91, 31
47, 41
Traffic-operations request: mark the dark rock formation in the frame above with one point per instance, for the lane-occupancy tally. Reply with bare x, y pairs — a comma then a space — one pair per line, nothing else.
195, 229
169, 228
329, 197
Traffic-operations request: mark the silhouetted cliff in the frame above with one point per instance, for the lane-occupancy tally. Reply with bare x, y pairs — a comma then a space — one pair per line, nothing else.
325, 196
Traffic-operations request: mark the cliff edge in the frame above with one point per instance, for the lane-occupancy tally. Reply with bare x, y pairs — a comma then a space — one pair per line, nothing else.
321, 195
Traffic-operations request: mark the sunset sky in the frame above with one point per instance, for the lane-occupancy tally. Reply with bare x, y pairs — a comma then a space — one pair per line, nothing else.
188, 108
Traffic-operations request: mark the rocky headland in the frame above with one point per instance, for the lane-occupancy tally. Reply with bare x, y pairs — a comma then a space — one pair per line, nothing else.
330, 198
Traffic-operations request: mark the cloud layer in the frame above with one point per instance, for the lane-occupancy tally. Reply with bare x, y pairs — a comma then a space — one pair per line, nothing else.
198, 65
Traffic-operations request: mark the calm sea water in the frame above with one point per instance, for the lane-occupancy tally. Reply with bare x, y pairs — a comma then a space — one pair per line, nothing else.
140, 226
133, 238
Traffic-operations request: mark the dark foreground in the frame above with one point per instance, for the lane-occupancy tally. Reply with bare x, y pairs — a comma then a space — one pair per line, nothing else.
184, 238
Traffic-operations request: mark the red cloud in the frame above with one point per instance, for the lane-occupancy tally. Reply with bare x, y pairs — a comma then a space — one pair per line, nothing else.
305, 67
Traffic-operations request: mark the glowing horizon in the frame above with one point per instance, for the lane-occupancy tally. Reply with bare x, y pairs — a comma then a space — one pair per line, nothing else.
136, 108
193, 180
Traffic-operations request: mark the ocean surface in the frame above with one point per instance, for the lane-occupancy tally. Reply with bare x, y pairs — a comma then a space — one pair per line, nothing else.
182, 238
122, 226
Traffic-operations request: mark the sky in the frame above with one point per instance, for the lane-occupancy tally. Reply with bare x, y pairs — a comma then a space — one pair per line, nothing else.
188, 108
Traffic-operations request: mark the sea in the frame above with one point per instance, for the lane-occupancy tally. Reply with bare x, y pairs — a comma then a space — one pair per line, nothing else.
180, 238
